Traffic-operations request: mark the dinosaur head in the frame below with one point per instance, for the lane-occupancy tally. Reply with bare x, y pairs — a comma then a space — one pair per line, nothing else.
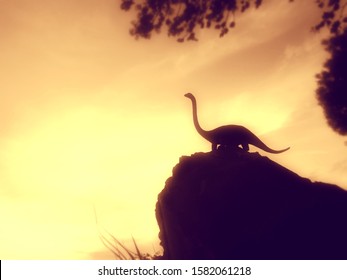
189, 95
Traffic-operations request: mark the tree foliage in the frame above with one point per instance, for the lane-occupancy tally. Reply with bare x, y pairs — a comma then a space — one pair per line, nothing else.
332, 16
332, 83
183, 18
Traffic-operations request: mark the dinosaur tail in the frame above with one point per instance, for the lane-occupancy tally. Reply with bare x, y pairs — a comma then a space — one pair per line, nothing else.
277, 151
258, 143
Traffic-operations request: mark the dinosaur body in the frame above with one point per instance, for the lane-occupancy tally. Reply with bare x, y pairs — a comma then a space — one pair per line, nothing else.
229, 135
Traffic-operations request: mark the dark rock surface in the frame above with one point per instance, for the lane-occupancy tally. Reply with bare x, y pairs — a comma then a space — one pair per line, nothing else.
239, 205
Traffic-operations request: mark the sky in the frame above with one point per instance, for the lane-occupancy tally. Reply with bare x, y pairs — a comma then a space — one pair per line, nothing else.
93, 121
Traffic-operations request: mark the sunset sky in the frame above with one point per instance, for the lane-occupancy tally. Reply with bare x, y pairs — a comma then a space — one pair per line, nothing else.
93, 119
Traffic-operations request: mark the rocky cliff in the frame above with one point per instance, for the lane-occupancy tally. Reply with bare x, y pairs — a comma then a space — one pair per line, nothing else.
239, 205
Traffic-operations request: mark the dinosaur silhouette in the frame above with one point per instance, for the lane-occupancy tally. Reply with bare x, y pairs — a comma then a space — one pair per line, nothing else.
229, 135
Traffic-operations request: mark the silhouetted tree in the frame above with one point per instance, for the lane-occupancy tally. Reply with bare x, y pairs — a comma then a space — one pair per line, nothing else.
182, 18
332, 83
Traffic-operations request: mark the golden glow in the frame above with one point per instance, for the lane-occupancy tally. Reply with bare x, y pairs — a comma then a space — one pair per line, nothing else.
92, 119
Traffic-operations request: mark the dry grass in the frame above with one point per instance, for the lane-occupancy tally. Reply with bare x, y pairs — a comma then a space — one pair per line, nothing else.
119, 250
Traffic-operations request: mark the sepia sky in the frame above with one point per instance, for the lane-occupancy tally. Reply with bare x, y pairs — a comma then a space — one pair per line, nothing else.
92, 119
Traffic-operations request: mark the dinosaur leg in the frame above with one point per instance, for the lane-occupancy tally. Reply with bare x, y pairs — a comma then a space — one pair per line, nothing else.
245, 147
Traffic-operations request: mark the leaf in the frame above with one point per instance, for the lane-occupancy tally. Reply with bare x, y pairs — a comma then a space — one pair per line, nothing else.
126, 5
335, 26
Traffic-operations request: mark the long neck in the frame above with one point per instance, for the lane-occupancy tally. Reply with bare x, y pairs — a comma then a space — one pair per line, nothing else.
195, 119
